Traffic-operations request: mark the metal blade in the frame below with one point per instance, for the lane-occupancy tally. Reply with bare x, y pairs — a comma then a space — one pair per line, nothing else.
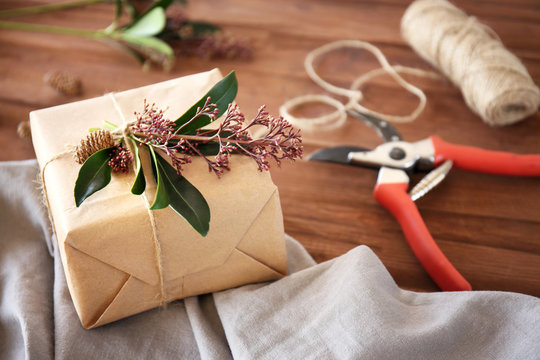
383, 128
431, 180
338, 154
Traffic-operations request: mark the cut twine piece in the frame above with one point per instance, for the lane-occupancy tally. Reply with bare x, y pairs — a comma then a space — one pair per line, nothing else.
125, 132
354, 95
493, 81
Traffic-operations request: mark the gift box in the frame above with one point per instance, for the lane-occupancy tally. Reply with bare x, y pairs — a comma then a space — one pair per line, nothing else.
119, 257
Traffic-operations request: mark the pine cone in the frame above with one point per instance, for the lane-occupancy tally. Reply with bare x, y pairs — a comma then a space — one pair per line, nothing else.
94, 142
64, 82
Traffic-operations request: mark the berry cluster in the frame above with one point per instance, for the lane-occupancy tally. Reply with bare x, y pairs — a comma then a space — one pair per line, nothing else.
121, 159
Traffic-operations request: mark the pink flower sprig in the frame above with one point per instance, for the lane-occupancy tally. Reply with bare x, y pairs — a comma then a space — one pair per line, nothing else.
279, 139
121, 159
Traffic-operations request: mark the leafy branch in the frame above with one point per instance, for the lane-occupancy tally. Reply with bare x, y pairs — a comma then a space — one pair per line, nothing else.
148, 36
180, 140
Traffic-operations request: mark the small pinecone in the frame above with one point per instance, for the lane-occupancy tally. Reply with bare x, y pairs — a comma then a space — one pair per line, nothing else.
120, 159
94, 141
64, 82
23, 130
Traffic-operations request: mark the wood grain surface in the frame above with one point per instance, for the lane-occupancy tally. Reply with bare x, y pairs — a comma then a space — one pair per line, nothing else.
488, 226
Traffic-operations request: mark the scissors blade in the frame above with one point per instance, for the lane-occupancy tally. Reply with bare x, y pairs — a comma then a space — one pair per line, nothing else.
338, 154
383, 128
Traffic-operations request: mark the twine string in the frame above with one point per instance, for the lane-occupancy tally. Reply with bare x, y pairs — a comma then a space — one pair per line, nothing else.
493, 81
69, 150
125, 132
353, 94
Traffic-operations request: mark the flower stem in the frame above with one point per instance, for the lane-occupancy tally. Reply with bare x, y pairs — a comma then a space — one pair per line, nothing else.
213, 138
91, 34
33, 10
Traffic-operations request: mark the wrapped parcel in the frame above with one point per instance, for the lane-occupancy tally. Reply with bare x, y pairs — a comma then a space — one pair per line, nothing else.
119, 257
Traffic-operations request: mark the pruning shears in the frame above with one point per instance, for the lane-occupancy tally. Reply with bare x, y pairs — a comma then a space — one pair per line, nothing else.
397, 159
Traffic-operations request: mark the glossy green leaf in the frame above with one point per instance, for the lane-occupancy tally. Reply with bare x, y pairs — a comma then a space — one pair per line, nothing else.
149, 42
149, 24
94, 175
184, 198
161, 199
222, 94
140, 183
132, 52
212, 148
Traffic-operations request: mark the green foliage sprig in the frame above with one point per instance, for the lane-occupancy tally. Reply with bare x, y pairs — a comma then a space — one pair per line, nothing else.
179, 141
148, 35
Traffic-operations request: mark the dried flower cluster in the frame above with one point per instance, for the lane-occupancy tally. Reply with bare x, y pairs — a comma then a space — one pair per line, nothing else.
93, 142
121, 159
279, 141
201, 39
223, 45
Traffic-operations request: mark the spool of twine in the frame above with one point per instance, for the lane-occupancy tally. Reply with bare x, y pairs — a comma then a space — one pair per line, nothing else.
493, 81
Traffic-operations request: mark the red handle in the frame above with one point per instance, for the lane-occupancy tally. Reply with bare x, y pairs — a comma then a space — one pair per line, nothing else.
394, 197
486, 161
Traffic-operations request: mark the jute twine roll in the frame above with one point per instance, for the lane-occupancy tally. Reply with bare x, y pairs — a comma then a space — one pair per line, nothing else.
493, 81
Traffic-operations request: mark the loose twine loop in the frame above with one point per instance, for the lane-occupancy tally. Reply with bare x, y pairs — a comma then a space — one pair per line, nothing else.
353, 94
493, 81
124, 133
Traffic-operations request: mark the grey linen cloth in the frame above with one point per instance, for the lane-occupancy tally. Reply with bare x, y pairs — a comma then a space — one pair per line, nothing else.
346, 308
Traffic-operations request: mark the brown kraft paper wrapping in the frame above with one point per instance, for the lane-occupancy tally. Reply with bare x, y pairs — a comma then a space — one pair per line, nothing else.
107, 246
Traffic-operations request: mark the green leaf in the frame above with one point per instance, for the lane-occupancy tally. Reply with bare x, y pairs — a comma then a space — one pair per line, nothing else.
209, 149
161, 199
132, 52
201, 28
109, 125
140, 183
184, 198
94, 175
149, 24
149, 42
131, 10
119, 9
212, 148
162, 4
190, 30
222, 94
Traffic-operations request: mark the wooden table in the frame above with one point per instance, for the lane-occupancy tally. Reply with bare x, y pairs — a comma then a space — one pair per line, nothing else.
488, 226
